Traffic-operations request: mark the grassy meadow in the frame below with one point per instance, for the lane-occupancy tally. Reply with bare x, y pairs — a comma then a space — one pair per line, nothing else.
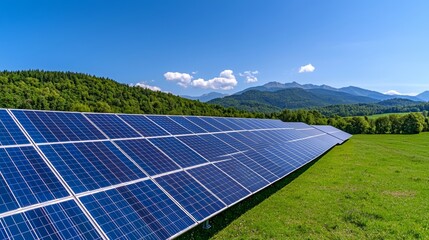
371, 187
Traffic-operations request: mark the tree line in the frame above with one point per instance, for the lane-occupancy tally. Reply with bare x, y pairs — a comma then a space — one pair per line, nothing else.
410, 123
68, 91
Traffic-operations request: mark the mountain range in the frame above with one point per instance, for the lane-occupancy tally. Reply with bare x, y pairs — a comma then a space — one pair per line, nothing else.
276, 86
275, 96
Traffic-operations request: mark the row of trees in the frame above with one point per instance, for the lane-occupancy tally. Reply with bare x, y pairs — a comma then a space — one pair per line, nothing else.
67, 91
396, 124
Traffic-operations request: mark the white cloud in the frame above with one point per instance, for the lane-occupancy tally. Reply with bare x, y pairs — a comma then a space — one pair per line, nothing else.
225, 81
307, 68
144, 85
392, 92
183, 79
250, 76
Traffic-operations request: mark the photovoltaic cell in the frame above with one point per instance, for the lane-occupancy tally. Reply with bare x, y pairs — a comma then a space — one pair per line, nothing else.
206, 149
60, 221
191, 195
28, 177
91, 165
227, 138
256, 167
178, 151
242, 174
219, 183
203, 124
333, 131
7, 200
143, 125
147, 156
10, 134
216, 124
137, 211
45, 126
169, 125
231, 123
187, 124
112, 126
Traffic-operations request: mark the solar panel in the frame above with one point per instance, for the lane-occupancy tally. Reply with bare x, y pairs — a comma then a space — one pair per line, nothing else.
203, 124
187, 124
147, 156
143, 125
10, 134
196, 199
64, 220
137, 211
46, 126
219, 183
242, 174
92, 176
28, 178
112, 126
91, 165
202, 145
179, 152
216, 124
343, 136
169, 125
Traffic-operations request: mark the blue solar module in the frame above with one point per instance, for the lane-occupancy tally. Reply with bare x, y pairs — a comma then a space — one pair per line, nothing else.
10, 134
199, 202
256, 167
265, 162
244, 139
284, 152
147, 156
143, 125
203, 124
91, 165
45, 126
231, 122
112, 126
207, 146
216, 124
179, 152
240, 122
137, 211
286, 166
28, 177
333, 131
242, 174
219, 183
188, 124
7, 200
169, 125
227, 138
60, 221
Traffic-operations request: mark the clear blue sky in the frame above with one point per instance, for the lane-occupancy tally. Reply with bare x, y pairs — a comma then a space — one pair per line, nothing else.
374, 44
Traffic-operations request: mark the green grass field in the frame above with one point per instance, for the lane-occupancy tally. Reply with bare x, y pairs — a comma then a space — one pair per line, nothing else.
371, 187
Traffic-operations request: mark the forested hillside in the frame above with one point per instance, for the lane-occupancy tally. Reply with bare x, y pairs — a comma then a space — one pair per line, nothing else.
290, 98
67, 91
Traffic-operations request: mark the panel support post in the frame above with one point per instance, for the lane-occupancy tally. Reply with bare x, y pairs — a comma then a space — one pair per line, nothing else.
206, 225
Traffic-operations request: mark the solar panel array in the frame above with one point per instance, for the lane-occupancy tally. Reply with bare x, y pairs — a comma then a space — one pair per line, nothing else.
67, 175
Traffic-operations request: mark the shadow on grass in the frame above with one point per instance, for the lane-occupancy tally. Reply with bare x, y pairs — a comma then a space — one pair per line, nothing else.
223, 219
